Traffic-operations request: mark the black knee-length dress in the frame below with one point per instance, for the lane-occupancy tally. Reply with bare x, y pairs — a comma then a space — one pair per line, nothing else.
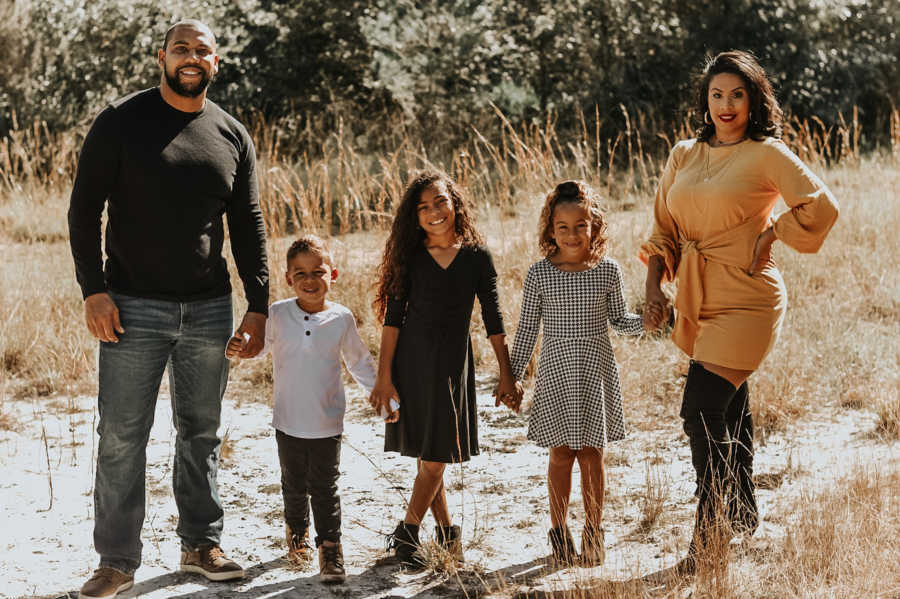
433, 368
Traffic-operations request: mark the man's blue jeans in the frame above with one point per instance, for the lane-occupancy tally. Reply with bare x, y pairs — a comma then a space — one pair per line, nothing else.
190, 338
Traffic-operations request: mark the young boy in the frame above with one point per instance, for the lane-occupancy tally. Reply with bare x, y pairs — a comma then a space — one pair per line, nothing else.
308, 336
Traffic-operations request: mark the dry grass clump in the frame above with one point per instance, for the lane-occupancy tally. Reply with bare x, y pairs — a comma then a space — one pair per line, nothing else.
226, 449
656, 493
6, 422
889, 417
844, 542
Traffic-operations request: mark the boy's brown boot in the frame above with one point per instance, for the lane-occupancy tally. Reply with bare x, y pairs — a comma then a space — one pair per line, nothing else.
331, 563
210, 561
106, 583
593, 552
300, 552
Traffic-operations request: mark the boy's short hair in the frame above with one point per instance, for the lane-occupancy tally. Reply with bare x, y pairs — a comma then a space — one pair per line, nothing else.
312, 244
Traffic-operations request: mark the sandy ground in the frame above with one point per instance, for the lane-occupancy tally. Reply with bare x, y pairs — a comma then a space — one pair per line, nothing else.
499, 499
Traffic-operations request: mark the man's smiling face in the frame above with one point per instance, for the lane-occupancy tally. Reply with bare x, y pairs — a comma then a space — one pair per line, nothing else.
189, 60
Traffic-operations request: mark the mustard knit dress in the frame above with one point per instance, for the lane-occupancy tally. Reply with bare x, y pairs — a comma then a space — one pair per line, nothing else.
711, 205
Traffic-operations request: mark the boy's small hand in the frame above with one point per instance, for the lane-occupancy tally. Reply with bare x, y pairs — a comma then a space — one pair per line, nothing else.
236, 345
393, 406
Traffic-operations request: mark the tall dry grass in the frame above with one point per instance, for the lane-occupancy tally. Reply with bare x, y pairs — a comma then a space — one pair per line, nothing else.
837, 346
843, 542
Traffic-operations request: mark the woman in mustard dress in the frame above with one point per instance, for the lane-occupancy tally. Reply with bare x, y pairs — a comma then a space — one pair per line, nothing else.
712, 235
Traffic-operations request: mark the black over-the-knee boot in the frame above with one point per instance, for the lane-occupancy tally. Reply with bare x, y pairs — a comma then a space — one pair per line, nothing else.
707, 398
742, 511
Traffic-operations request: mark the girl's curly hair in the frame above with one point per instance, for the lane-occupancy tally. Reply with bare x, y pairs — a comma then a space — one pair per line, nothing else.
766, 117
582, 194
407, 237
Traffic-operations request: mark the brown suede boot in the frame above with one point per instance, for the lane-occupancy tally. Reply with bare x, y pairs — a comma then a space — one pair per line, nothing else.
331, 563
211, 562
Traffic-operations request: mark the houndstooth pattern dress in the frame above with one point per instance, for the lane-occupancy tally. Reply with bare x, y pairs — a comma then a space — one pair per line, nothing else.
577, 396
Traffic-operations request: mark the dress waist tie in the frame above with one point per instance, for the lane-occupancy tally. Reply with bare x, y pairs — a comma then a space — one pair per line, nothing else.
728, 247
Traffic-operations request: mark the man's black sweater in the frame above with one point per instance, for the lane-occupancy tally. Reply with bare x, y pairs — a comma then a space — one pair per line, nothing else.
168, 177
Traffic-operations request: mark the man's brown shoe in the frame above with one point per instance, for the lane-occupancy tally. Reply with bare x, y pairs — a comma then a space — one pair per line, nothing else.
106, 583
331, 563
211, 562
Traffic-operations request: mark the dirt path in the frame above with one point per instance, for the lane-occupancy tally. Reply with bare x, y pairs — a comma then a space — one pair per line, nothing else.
501, 496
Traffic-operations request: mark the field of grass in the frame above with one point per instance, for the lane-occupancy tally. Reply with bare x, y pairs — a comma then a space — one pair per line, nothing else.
839, 348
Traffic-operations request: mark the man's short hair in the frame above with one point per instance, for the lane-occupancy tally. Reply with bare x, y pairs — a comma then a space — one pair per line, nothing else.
186, 23
312, 244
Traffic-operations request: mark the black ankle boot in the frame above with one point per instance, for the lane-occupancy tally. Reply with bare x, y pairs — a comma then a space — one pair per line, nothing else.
450, 540
563, 545
404, 541
593, 548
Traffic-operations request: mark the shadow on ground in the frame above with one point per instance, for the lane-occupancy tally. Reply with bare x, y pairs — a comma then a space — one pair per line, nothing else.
378, 579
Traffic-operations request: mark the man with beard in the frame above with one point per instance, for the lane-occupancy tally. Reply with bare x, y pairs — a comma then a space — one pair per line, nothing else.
167, 163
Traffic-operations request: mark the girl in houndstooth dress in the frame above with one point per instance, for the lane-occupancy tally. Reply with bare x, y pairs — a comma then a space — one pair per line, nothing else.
577, 292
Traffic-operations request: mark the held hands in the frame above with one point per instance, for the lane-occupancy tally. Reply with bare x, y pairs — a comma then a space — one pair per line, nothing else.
656, 308
102, 317
236, 345
509, 392
385, 401
652, 317
762, 251
249, 338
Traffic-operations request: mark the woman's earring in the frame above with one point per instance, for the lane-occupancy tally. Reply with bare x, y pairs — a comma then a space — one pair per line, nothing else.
706, 118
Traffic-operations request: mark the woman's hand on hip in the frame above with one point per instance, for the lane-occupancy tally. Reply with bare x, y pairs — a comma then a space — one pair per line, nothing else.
762, 251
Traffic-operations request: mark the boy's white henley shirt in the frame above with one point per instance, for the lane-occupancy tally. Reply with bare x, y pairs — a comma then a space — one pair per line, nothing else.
307, 350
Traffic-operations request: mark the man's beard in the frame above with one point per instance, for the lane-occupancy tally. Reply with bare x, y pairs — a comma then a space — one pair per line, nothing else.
188, 92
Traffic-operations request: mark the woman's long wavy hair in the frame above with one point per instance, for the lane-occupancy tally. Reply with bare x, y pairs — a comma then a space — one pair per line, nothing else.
407, 237
582, 194
766, 117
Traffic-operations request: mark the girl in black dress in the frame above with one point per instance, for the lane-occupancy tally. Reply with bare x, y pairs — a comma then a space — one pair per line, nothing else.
434, 265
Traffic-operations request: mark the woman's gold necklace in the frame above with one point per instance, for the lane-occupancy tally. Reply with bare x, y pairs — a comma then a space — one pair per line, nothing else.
727, 160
